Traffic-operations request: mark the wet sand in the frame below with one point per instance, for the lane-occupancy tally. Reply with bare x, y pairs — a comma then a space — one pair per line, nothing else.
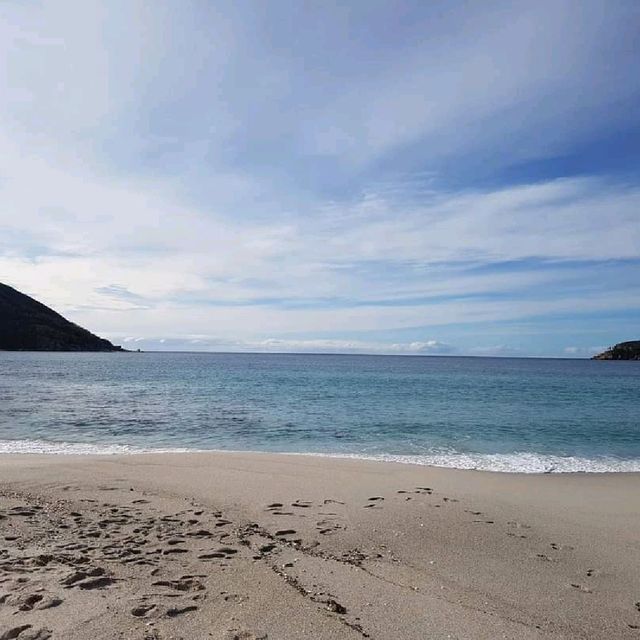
247, 546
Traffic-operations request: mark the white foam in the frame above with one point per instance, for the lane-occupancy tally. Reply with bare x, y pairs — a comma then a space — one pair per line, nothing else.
519, 462
76, 448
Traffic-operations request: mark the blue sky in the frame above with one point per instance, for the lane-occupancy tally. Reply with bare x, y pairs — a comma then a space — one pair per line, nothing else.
382, 177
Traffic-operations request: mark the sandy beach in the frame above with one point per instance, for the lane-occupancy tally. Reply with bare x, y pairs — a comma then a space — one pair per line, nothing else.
248, 546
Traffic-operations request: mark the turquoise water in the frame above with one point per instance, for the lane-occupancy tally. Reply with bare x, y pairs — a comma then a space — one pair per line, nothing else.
487, 413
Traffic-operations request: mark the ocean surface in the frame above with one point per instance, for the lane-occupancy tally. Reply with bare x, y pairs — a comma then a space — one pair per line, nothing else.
529, 415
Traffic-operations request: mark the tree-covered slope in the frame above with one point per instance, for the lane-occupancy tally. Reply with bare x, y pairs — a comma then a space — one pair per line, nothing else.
28, 325
622, 351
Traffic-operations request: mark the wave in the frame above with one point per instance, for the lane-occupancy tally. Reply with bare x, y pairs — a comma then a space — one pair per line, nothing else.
78, 448
517, 462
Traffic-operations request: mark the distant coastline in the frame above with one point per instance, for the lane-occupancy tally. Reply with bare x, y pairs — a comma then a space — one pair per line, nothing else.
622, 351
29, 325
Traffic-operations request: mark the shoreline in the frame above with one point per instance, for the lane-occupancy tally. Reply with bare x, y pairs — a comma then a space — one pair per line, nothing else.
246, 545
528, 463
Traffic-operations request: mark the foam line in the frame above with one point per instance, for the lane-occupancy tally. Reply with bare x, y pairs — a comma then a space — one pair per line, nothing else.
518, 462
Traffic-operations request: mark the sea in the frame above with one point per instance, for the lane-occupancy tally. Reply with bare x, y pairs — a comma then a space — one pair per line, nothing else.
500, 414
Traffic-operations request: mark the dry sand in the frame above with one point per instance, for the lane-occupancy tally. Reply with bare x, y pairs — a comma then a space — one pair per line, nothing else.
253, 546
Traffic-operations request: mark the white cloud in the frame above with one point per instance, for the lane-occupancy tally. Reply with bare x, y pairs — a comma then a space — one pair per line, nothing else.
558, 219
188, 268
432, 347
281, 345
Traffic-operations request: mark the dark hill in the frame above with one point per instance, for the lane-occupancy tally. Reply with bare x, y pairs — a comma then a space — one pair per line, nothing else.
621, 351
28, 325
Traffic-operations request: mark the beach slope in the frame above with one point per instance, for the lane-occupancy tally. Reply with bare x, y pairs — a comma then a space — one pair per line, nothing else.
247, 546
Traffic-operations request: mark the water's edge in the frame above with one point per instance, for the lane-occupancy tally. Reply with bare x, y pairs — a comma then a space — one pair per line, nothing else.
517, 462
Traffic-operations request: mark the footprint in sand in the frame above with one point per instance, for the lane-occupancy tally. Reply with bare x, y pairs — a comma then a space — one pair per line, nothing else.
200, 533
327, 527
232, 597
142, 610
174, 550
37, 634
174, 612
78, 578
31, 602
25, 632
335, 607
96, 583
238, 634
373, 503
222, 552
545, 557
182, 584
21, 511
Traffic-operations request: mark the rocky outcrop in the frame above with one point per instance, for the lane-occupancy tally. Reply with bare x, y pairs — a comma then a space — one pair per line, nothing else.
622, 351
28, 325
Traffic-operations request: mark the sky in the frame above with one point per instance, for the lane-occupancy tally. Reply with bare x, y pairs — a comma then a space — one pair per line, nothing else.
436, 178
